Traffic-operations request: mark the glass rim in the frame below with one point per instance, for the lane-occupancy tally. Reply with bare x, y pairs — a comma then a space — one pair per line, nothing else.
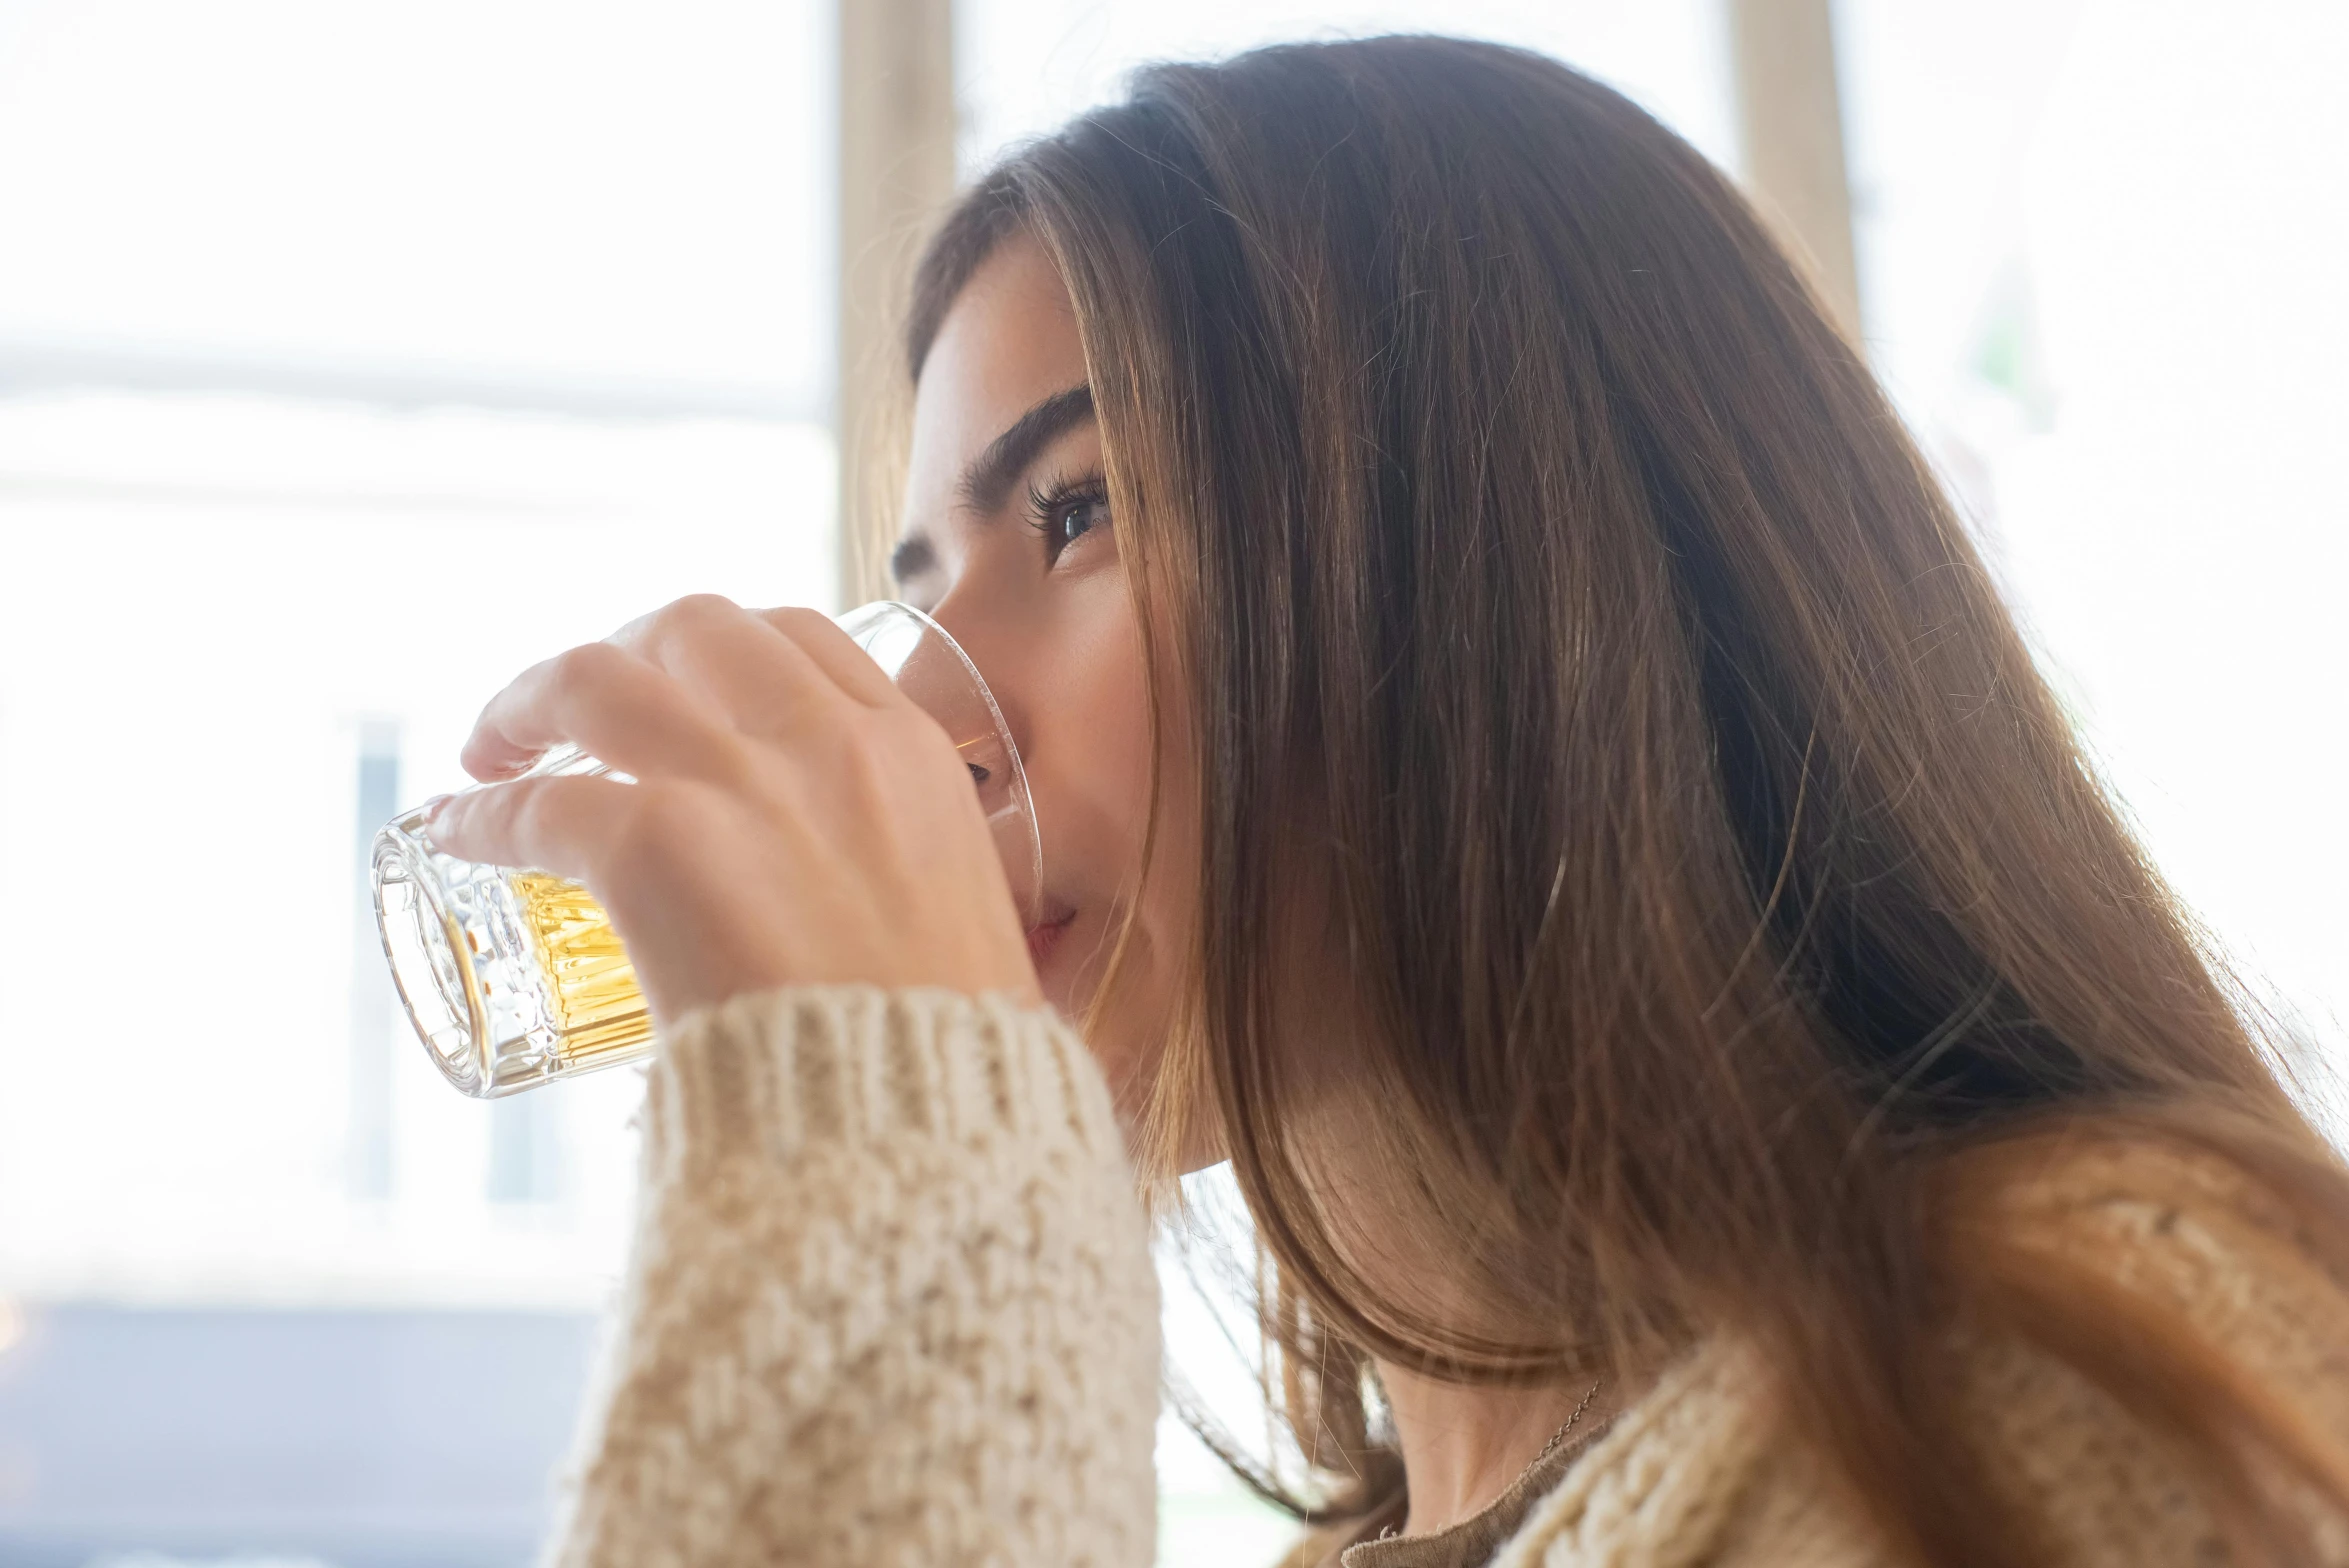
1011, 748
465, 1071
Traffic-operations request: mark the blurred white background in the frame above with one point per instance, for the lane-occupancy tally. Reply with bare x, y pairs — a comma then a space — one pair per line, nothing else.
354, 355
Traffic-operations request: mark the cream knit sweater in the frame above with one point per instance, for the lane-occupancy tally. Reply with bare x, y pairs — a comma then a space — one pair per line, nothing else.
891, 1302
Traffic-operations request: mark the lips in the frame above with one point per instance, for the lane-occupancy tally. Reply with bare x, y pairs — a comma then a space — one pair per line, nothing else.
1045, 936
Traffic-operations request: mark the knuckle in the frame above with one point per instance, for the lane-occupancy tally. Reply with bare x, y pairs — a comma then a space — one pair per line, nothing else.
679, 622
586, 665
672, 623
699, 609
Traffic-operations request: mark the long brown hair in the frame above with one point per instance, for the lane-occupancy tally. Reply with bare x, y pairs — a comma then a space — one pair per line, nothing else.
1554, 583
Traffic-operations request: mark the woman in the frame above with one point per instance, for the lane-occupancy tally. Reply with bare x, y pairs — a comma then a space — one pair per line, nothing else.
1536, 776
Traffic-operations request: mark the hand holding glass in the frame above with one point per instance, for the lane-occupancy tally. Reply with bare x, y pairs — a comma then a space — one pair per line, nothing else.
514, 977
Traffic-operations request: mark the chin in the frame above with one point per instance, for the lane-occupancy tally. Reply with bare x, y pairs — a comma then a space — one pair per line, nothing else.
1071, 951
1128, 1040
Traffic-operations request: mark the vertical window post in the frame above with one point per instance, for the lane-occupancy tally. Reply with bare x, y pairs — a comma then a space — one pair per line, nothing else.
1790, 122
897, 127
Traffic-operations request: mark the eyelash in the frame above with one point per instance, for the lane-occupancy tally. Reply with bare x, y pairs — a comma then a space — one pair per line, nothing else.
1049, 505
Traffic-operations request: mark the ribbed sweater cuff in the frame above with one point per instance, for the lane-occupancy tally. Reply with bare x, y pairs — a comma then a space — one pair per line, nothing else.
770, 1074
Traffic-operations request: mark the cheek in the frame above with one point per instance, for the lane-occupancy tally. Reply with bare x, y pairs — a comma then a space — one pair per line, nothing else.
1111, 706
1092, 778
1091, 723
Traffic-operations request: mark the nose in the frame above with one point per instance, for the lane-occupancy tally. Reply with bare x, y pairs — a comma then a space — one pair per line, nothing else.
982, 625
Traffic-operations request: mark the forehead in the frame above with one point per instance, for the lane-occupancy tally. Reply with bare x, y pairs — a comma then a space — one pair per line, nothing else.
1008, 342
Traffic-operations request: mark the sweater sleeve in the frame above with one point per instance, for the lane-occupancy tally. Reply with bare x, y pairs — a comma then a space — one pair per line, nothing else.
890, 1300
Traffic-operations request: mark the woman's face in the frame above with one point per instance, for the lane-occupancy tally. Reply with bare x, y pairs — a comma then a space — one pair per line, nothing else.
1010, 544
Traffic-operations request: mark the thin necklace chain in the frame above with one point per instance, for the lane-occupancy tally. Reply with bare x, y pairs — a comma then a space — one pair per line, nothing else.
1559, 1436
1548, 1448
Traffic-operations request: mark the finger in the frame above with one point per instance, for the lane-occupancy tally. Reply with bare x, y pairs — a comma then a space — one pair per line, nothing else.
611, 704
833, 651
751, 671
564, 824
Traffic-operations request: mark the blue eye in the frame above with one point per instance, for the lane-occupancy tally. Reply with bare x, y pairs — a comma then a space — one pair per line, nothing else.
1075, 520
1064, 513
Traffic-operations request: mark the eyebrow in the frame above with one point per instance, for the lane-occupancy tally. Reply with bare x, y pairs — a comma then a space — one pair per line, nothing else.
987, 477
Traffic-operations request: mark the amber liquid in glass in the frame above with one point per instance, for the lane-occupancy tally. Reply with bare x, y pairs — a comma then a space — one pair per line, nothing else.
599, 1010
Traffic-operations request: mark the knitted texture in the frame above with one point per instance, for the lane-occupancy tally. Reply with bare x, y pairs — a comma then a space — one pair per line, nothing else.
1703, 1471
890, 1301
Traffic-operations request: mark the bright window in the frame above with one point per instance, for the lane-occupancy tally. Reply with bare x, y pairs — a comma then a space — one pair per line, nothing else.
2099, 250
351, 358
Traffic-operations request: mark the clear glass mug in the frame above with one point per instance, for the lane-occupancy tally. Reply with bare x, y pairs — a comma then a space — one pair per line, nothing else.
514, 978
